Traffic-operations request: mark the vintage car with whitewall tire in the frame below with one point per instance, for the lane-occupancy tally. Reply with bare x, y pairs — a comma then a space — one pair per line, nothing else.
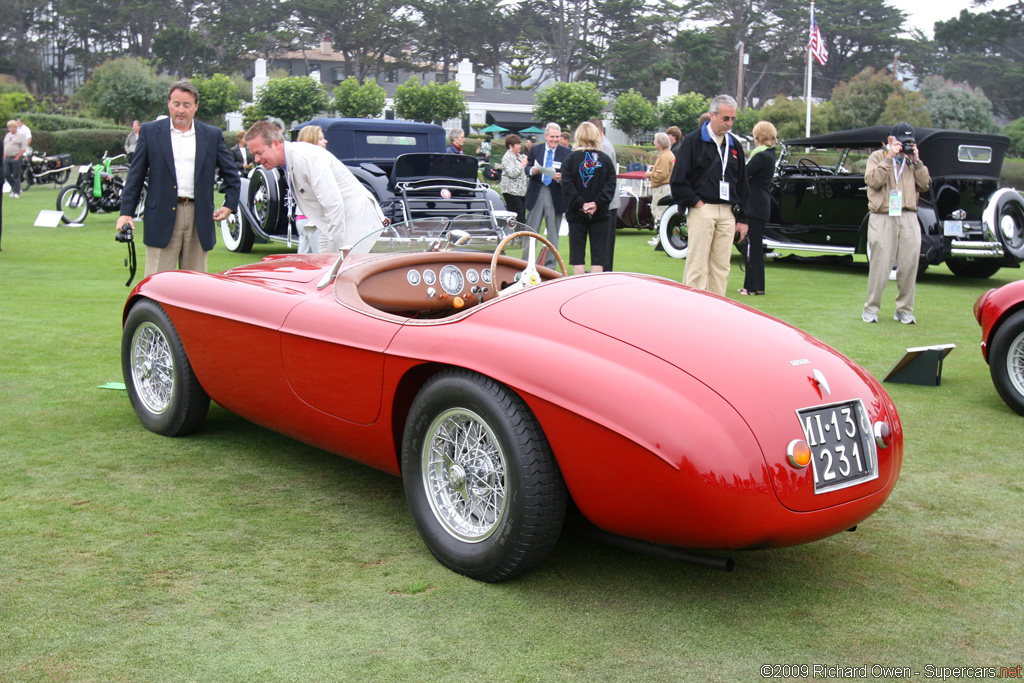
507, 396
1000, 312
819, 200
402, 163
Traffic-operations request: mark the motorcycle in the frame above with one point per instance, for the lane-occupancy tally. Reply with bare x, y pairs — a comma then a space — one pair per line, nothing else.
40, 169
98, 189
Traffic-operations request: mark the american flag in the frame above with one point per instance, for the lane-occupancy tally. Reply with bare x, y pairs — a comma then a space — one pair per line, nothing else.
817, 45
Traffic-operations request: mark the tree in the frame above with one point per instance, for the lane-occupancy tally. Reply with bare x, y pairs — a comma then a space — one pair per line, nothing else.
683, 111
568, 104
125, 89
364, 101
217, 96
414, 102
907, 106
634, 114
14, 103
957, 106
861, 101
1015, 131
292, 99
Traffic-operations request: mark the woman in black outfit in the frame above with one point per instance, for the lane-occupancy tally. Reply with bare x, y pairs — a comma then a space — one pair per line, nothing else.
588, 185
760, 168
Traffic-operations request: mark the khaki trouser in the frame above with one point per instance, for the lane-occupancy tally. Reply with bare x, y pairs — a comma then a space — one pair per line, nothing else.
184, 247
893, 238
658, 211
710, 232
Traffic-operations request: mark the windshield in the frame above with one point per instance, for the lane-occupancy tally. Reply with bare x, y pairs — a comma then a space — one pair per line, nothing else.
462, 233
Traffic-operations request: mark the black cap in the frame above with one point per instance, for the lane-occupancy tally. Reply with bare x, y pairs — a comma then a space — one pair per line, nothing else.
904, 132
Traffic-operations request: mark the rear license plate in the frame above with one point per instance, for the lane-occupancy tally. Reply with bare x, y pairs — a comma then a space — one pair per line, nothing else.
842, 445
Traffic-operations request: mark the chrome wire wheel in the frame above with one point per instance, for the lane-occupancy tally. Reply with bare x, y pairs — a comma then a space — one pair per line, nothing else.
464, 475
1015, 364
152, 367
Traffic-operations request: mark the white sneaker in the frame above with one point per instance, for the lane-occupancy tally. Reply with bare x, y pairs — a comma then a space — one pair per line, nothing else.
653, 242
869, 317
905, 318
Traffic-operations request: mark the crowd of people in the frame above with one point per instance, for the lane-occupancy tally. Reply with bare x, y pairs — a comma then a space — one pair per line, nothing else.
723, 190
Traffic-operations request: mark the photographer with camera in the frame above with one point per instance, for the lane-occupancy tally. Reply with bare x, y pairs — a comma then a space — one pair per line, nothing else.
895, 177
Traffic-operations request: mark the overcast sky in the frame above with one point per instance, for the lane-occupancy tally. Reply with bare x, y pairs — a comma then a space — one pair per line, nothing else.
923, 14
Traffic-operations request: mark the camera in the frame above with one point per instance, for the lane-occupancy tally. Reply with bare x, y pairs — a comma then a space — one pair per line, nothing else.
908, 147
125, 236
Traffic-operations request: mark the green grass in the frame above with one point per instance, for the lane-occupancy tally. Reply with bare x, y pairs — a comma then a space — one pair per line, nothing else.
240, 555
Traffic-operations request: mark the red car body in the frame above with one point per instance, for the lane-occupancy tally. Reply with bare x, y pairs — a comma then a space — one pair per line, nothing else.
1000, 312
669, 411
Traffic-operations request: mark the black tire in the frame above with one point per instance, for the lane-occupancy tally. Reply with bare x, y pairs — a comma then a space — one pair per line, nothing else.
72, 204
61, 178
1006, 361
1010, 226
267, 190
236, 233
672, 231
980, 268
510, 520
161, 386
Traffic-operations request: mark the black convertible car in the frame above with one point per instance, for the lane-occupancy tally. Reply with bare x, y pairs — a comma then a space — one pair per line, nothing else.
819, 200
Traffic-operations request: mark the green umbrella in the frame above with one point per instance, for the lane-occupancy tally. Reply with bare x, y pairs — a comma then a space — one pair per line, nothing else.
493, 128
532, 130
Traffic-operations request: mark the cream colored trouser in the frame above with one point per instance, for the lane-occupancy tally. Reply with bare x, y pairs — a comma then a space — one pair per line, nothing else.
710, 232
893, 238
184, 247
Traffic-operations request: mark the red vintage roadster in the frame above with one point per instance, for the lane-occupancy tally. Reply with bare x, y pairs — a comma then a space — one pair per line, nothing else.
500, 391
1000, 312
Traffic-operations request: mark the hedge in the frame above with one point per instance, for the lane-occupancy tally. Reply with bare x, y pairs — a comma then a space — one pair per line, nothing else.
59, 122
84, 146
1013, 174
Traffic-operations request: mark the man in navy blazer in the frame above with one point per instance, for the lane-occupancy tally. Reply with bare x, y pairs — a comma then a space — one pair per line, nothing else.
180, 156
544, 200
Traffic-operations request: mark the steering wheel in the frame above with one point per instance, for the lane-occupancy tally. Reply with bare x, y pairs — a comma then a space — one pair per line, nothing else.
810, 165
529, 277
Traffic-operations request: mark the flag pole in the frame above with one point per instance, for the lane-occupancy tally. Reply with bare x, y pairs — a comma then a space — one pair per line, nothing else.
807, 132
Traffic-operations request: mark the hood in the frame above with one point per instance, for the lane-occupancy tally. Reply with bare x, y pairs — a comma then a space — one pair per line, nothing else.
285, 268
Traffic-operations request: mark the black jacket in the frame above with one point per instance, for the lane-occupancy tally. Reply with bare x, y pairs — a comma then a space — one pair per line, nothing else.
587, 176
698, 170
759, 173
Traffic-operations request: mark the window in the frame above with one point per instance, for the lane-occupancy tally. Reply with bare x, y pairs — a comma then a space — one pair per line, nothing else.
974, 154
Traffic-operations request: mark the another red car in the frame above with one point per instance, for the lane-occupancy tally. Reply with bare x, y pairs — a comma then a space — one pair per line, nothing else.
499, 391
1001, 315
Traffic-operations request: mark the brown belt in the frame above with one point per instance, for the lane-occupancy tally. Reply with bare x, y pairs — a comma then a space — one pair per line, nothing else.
186, 200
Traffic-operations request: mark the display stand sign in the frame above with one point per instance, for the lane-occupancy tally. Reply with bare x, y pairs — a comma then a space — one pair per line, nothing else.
920, 365
51, 219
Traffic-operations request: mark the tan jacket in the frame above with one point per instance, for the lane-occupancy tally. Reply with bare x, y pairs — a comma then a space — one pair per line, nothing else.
881, 179
662, 170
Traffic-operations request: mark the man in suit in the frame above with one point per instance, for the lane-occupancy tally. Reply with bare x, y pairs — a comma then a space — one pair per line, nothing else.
544, 201
179, 155
324, 190
243, 158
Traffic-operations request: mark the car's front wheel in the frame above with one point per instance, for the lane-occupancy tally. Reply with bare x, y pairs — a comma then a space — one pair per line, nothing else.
482, 484
674, 237
161, 386
1006, 361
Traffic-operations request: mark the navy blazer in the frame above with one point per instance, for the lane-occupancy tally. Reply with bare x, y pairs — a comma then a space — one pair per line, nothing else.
154, 157
537, 153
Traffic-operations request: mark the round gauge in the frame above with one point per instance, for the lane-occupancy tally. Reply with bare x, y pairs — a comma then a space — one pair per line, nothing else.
429, 278
486, 275
452, 281
413, 276
472, 277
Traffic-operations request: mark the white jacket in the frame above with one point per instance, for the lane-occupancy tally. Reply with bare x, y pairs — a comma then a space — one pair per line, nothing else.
330, 196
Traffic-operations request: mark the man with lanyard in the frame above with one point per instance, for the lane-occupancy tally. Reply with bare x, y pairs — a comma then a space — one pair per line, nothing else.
895, 177
710, 180
544, 200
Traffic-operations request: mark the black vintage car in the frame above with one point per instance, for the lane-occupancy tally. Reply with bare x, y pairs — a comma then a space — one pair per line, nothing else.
402, 163
819, 200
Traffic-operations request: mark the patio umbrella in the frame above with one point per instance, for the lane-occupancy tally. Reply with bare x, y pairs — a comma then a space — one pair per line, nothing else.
493, 128
532, 130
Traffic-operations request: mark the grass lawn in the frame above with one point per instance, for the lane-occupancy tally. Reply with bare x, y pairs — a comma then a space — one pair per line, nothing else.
240, 555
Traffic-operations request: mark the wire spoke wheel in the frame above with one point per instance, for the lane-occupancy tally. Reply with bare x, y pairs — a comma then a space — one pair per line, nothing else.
152, 367
464, 474
73, 205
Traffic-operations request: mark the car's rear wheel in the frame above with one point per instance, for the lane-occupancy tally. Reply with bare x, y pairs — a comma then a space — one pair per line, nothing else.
1006, 361
976, 268
236, 233
1010, 226
161, 386
72, 204
674, 237
482, 484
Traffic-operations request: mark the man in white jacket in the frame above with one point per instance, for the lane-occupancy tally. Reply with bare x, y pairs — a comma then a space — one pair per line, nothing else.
323, 188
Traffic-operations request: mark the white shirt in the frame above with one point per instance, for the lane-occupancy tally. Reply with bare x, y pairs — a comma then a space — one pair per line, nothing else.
24, 130
183, 147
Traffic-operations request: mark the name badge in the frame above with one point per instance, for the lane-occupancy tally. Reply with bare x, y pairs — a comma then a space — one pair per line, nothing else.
557, 165
723, 190
895, 202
